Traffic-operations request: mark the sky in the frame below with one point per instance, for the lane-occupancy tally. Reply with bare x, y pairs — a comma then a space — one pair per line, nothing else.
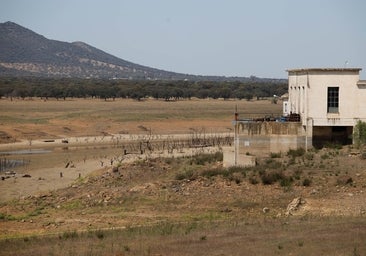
262, 38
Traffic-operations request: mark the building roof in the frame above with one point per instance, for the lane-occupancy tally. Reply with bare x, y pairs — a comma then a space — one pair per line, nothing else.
324, 70
361, 82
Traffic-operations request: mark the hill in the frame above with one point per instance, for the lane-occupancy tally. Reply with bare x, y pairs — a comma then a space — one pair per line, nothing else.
26, 53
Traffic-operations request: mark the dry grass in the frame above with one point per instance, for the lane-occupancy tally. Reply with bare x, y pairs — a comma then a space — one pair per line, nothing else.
212, 214
24, 119
319, 236
154, 213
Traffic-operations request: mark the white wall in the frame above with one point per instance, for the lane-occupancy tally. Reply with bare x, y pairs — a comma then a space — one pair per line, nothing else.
308, 95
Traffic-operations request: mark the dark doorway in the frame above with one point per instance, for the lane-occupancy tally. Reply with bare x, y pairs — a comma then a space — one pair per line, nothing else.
323, 135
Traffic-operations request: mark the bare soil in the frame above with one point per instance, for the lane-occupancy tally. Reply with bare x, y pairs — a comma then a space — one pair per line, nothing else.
38, 119
166, 205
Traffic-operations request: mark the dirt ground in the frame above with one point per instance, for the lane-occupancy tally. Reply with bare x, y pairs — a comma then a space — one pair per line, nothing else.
32, 119
91, 126
145, 190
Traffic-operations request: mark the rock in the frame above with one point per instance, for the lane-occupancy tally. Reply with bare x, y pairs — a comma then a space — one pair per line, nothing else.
294, 205
227, 210
265, 210
59, 221
313, 192
344, 180
26, 176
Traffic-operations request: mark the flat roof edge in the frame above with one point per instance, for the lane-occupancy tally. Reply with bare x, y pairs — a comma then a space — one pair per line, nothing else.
324, 69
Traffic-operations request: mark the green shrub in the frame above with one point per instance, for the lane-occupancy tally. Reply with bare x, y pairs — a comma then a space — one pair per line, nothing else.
69, 234
309, 156
238, 170
270, 163
268, 178
275, 155
253, 180
363, 155
324, 156
333, 145
297, 174
296, 152
2, 216
359, 133
99, 234
306, 182
202, 159
286, 181
215, 172
187, 174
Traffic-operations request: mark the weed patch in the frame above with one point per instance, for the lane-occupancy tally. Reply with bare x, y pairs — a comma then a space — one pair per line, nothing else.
296, 152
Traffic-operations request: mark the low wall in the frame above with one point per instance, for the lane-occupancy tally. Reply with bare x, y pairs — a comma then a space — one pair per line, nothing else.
259, 145
269, 128
241, 159
260, 138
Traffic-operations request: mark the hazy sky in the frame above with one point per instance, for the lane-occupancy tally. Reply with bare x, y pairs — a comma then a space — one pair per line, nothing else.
207, 37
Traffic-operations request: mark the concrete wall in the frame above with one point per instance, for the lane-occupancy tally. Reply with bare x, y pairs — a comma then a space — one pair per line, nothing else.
258, 138
269, 128
239, 160
263, 145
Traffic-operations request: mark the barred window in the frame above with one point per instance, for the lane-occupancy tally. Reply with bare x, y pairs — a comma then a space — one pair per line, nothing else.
333, 100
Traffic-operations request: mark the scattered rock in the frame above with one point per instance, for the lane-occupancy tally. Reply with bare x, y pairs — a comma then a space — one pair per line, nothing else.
227, 210
344, 180
294, 205
313, 192
354, 153
59, 221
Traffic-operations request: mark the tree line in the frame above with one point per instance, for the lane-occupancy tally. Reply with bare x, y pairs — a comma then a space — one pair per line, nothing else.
62, 88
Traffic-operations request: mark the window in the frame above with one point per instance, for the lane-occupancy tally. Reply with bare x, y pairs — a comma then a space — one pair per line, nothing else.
333, 100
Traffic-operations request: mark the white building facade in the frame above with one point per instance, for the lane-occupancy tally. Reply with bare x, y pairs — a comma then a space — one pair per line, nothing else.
329, 101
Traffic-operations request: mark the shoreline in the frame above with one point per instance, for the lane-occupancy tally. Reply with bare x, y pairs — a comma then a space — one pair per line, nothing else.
60, 168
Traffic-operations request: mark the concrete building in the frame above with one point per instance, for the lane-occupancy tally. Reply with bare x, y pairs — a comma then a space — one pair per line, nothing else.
329, 101
324, 105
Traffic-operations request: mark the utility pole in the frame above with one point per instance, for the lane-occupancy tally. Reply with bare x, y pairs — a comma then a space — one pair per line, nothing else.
236, 139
